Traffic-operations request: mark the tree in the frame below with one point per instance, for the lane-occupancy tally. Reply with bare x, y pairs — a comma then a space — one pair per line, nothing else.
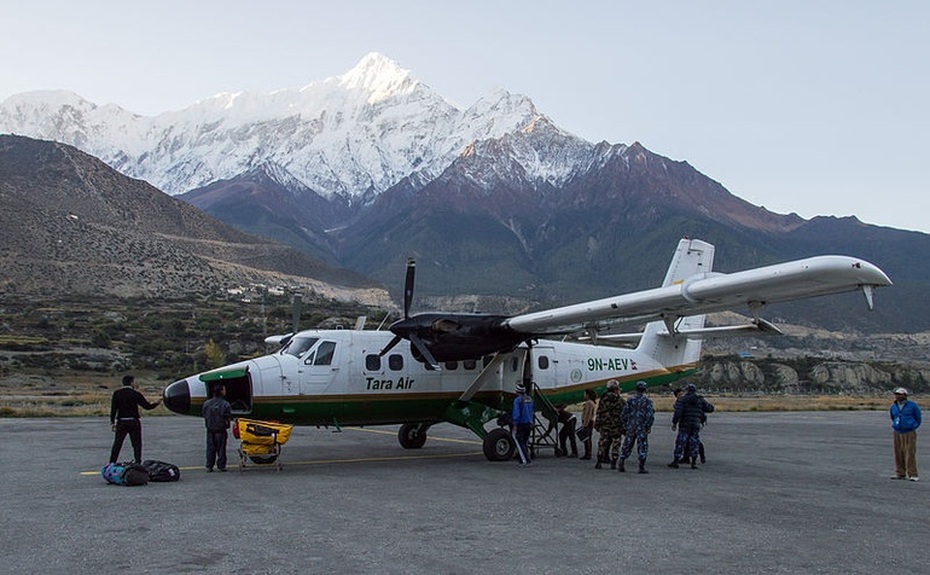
215, 356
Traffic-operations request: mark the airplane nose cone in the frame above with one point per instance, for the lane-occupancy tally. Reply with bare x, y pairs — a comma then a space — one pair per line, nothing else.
177, 397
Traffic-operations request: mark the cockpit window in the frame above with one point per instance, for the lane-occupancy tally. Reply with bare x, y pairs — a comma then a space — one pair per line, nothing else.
299, 345
324, 353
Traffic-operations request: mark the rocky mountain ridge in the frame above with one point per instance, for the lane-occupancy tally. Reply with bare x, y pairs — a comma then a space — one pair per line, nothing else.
71, 224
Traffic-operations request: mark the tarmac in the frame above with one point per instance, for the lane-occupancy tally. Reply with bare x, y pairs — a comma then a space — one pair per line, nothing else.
801, 492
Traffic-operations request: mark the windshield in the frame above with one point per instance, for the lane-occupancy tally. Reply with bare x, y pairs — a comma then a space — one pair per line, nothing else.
299, 345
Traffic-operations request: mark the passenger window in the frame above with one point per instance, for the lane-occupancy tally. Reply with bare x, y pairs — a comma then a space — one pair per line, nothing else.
514, 364
373, 362
396, 362
469, 364
543, 362
486, 360
324, 353
452, 365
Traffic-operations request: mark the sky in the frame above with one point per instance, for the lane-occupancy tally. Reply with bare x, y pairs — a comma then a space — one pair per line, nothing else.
805, 106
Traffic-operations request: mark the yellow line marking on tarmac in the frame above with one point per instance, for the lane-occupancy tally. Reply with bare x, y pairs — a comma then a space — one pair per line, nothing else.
431, 437
330, 461
357, 459
386, 458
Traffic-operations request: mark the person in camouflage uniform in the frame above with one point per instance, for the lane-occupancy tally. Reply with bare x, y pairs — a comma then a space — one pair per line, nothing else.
637, 418
607, 423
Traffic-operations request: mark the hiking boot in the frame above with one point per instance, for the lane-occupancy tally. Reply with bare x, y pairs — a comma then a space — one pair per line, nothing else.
613, 463
598, 464
674, 464
621, 467
694, 463
642, 467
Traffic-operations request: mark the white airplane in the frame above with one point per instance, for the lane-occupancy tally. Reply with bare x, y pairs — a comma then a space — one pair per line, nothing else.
462, 368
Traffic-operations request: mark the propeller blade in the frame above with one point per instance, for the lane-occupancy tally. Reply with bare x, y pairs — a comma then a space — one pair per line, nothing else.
391, 345
421, 347
408, 285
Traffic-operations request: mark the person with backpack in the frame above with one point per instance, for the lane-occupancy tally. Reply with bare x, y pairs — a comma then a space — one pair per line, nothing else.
689, 416
217, 413
124, 418
607, 423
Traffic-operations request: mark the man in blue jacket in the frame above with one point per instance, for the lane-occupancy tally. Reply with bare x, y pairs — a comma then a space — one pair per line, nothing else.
905, 419
523, 417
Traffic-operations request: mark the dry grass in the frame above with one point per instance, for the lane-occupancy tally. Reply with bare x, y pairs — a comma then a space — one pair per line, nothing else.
67, 395
789, 403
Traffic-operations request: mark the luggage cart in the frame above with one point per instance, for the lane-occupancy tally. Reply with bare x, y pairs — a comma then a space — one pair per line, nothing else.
260, 442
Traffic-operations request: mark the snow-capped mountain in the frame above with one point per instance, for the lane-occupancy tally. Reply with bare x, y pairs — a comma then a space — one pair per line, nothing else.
353, 135
495, 200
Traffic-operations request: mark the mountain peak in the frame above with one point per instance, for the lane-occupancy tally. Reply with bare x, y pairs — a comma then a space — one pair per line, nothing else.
379, 75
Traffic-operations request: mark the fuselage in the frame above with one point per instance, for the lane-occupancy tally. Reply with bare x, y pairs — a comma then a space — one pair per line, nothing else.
337, 377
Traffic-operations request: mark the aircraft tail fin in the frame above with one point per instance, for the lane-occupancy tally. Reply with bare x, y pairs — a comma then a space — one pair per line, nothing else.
693, 259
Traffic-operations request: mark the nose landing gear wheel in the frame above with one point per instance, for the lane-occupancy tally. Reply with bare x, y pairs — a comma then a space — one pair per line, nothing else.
411, 436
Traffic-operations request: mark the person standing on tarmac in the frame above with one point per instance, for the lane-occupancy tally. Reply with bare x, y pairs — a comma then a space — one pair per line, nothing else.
905, 419
124, 418
637, 418
680, 449
688, 418
523, 417
607, 423
587, 421
217, 414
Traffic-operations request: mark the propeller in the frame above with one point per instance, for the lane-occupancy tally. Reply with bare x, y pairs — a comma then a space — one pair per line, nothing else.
449, 336
405, 329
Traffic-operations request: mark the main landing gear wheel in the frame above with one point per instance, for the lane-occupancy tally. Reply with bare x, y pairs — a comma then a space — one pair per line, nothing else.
498, 445
411, 436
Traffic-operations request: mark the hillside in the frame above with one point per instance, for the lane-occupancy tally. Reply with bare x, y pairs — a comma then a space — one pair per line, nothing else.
70, 224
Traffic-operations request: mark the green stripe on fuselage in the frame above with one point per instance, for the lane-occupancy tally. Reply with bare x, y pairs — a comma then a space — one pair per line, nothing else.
406, 407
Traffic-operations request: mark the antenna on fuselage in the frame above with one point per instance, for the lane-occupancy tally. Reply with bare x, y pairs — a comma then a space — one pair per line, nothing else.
295, 313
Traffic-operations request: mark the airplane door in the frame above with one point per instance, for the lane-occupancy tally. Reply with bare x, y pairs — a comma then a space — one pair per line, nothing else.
319, 368
545, 366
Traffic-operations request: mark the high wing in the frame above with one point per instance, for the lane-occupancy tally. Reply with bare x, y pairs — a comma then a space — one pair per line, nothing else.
690, 289
712, 292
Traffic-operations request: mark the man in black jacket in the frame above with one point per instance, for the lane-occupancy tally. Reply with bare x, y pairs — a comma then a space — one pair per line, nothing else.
216, 416
124, 418
690, 410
